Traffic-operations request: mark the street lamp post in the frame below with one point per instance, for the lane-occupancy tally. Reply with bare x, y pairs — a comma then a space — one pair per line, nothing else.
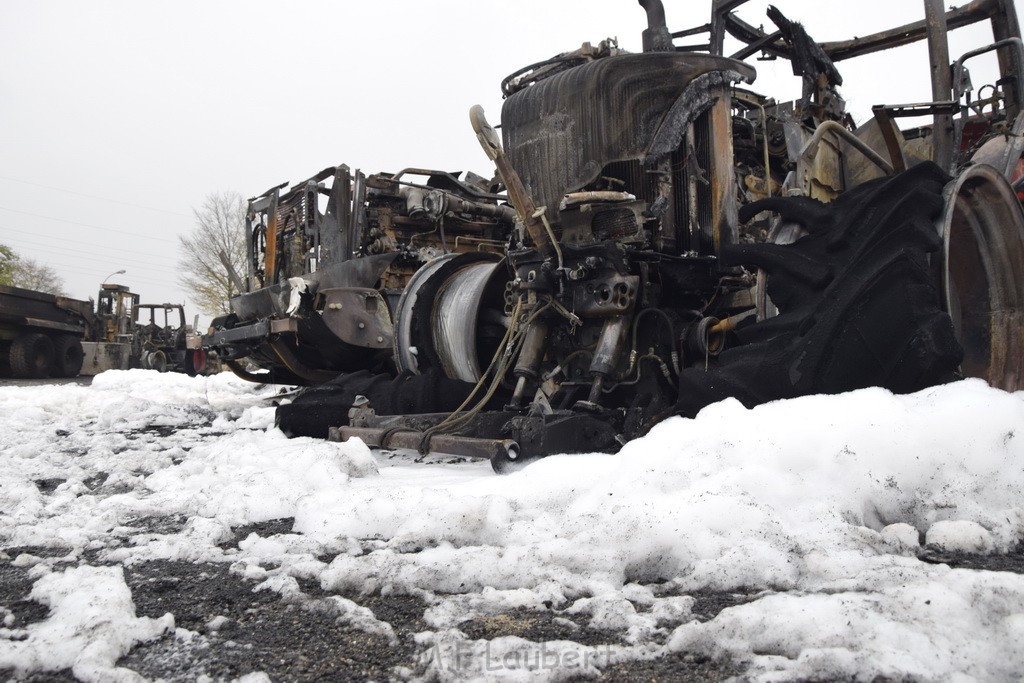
116, 272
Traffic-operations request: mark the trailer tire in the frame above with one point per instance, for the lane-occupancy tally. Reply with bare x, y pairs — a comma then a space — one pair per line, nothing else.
31, 356
68, 356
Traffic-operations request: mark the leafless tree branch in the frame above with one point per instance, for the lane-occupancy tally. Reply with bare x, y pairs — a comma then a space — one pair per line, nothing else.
219, 226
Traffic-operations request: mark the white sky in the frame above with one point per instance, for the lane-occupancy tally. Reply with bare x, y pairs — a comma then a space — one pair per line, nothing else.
117, 117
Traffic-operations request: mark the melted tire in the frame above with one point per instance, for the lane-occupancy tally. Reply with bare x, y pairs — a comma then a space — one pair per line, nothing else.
858, 298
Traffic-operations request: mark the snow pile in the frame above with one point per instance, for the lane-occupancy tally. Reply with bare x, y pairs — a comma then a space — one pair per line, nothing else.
901, 624
253, 476
789, 495
810, 496
812, 508
147, 445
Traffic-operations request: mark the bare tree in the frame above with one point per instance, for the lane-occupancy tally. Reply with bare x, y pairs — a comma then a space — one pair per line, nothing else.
32, 274
8, 260
19, 271
219, 228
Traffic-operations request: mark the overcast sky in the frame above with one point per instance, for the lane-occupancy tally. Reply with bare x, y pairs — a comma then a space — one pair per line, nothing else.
116, 118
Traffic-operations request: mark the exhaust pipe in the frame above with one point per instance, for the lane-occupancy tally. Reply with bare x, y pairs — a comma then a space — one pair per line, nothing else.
656, 37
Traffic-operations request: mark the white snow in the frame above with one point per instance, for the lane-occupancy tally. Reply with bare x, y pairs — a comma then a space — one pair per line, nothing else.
960, 535
813, 509
91, 624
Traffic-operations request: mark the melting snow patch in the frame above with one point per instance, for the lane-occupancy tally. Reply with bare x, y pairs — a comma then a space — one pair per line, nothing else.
960, 535
814, 506
902, 534
92, 624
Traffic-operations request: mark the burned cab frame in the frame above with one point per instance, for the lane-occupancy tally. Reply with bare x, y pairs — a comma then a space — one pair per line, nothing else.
678, 238
159, 341
328, 260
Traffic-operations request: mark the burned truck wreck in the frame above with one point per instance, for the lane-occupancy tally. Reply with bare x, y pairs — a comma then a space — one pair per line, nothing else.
329, 260
659, 237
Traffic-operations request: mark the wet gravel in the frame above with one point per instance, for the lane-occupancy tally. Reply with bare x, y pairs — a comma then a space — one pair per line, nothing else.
1008, 562
81, 380
241, 631
538, 627
14, 589
676, 667
227, 629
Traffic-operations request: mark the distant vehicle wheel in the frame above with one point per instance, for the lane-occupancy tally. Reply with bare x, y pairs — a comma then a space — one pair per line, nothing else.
31, 356
67, 356
195, 362
157, 360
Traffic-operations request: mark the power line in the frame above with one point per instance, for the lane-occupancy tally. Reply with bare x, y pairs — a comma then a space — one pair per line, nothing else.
93, 196
64, 239
138, 266
78, 268
87, 225
145, 284
113, 258
115, 253
83, 269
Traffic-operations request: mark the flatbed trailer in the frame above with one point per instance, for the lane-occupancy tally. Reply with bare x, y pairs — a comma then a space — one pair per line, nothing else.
41, 334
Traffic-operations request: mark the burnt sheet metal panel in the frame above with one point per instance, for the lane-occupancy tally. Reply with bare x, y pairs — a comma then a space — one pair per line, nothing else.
560, 132
29, 309
102, 356
274, 301
358, 316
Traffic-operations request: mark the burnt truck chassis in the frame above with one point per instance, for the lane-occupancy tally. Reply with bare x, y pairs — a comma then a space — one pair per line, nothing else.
676, 239
41, 334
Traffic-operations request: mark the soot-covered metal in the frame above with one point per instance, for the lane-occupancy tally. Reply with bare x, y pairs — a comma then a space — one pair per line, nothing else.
657, 237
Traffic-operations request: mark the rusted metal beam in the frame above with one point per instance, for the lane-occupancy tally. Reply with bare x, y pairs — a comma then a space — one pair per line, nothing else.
270, 263
957, 17
757, 46
942, 81
517, 192
720, 17
889, 130
1006, 27
439, 443
232, 273
251, 282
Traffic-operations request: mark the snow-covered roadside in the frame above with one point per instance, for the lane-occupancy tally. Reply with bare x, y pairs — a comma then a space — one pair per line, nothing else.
814, 506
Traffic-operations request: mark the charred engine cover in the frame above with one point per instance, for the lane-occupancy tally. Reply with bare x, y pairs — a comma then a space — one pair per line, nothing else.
562, 133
